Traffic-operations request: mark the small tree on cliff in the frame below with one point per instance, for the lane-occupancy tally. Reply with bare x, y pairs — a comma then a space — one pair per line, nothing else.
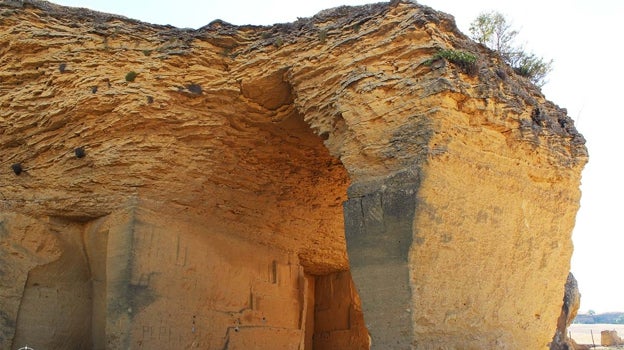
492, 30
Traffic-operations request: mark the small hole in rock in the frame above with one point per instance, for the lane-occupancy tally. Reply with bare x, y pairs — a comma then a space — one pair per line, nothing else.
194, 88
80, 152
17, 168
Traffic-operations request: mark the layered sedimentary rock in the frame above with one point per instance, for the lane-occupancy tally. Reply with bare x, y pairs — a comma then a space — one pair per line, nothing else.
324, 184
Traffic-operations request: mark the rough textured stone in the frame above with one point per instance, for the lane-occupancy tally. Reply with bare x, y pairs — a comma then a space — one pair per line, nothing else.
210, 204
569, 309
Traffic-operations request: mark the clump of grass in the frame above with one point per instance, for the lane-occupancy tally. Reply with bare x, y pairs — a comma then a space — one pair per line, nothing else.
147, 52
278, 42
464, 60
131, 76
457, 57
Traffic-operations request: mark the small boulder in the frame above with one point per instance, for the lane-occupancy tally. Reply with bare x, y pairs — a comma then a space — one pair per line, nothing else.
610, 338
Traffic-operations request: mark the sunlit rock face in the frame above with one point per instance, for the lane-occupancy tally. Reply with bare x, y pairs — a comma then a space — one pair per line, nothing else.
323, 184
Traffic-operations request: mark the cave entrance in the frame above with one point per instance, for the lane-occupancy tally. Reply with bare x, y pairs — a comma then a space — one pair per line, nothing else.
309, 187
376, 219
250, 252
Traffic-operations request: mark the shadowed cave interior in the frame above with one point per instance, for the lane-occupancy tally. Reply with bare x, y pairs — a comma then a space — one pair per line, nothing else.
264, 263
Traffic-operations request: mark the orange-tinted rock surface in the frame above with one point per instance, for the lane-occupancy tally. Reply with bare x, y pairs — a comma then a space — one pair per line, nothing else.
299, 186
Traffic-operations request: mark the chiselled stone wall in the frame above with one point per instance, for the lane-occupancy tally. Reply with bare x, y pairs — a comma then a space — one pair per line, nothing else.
144, 279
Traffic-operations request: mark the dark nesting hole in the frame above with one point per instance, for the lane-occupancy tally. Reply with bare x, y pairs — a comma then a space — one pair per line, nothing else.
80, 152
17, 168
94, 89
537, 116
150, 100
62, 67
194, 88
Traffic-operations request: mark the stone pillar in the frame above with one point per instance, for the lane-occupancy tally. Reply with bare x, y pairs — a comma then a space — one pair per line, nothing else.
378, 229
109, 243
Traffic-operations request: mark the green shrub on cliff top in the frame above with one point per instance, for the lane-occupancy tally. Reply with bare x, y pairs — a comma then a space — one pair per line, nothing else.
466, 61
492, 30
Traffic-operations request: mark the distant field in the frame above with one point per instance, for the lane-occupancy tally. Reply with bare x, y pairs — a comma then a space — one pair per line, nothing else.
581, 333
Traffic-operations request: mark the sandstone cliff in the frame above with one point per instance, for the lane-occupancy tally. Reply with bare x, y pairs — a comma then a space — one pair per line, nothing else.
219, 188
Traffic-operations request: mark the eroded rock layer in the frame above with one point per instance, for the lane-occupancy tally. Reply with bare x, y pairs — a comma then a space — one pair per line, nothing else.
169, 187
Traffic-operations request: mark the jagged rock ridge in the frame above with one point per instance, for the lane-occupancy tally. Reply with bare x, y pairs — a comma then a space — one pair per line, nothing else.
207, 210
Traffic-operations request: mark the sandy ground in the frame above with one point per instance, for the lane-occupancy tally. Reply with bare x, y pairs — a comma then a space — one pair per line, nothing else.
581, 333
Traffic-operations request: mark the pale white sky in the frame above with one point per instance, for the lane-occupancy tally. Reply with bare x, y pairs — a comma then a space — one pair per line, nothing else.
585, 40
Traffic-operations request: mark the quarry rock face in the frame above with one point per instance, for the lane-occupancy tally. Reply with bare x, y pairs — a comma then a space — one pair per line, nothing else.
330, 183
